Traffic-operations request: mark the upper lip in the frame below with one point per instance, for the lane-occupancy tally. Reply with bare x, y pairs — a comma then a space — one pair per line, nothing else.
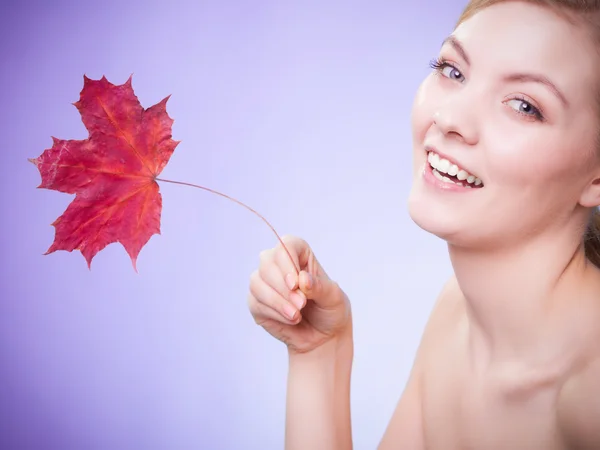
429, 148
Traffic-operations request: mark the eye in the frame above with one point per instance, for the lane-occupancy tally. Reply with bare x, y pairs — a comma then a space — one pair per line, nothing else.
452, 72
522, 106
447, 69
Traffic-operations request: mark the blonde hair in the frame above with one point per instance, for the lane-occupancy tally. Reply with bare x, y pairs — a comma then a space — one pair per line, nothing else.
580, 12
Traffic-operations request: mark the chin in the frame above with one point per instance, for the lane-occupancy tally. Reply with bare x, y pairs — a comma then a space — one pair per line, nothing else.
425, 217
442, 220
454, 229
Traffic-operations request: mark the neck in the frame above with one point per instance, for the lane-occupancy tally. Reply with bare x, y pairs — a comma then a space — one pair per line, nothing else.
512, 294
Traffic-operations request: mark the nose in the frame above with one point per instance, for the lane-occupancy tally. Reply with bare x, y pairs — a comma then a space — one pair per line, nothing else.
456, 118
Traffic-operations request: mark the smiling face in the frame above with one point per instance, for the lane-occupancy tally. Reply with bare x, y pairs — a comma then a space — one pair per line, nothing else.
511, 110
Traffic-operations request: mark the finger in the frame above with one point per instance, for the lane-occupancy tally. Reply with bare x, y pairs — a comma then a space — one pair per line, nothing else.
288, 254
298, 250
267, 296
323, 291
271, 273
303, 257
272, 276
261, 313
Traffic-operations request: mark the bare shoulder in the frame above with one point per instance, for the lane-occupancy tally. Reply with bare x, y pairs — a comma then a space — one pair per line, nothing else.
405, 429
578, 404
578, 407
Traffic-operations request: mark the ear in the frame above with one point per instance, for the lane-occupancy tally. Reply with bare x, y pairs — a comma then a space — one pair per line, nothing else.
590, 197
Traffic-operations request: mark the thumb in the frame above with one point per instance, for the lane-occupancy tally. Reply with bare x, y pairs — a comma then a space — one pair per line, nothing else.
319, 288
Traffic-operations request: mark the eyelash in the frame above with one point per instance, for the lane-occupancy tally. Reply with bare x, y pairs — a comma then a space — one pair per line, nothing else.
438, 64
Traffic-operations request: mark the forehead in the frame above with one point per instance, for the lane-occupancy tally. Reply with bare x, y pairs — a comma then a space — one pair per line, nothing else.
524, 37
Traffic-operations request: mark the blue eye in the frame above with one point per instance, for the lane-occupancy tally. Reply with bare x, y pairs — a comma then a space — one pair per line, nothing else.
446, 69
526, 108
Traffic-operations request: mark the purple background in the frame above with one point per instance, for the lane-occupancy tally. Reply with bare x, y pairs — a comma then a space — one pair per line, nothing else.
301, 110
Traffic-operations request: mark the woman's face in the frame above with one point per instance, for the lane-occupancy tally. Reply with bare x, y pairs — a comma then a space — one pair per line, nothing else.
512, 107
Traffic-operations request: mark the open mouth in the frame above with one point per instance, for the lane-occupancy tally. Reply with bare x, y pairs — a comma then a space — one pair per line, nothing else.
448, 172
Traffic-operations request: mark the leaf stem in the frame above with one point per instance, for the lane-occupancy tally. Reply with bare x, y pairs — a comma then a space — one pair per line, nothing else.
241, 204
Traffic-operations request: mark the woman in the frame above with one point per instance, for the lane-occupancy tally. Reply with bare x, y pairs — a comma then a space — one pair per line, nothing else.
507, 171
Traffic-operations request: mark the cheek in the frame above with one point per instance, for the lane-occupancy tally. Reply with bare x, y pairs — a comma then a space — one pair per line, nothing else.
534, 161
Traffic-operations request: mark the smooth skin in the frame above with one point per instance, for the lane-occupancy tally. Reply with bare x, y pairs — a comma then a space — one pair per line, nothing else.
510, 356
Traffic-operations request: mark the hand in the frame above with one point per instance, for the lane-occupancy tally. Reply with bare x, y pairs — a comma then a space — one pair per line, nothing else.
302, 310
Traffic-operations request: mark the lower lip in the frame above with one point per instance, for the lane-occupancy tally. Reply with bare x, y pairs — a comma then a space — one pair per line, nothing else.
449, 187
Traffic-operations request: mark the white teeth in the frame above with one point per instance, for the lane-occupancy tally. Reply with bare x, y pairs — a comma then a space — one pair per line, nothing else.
442, 178
432, 158
443, 166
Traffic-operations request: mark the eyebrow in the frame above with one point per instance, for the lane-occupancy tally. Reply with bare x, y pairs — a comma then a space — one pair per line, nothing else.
516, 77
529, 77
458, 47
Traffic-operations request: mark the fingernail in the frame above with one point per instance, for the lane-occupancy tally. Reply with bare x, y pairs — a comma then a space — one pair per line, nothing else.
289, 310
289, 280
297, 300
309, 281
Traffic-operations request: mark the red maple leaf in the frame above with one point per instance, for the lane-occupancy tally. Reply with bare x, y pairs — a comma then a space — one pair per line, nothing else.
112, 173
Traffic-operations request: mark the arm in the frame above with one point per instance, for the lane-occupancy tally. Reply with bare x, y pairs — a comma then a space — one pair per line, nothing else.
578, 408
318, 397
